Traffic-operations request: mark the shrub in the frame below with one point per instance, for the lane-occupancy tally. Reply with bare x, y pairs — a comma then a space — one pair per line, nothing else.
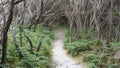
95, 53
38, 59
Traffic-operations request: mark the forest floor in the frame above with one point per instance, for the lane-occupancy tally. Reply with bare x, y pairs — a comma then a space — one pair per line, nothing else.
59, 55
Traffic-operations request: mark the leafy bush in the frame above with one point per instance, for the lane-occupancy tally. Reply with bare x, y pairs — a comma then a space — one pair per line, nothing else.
90, 65
76, 47
38, 59
95, 53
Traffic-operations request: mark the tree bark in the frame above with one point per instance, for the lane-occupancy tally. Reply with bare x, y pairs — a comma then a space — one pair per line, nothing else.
5, 30
16, 45
39, 46
29, 40
110, 23
5, 33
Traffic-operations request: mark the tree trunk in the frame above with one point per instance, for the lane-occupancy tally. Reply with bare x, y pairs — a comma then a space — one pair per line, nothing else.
39, 46
110, 23
17, 46
70, 32
5, 33
29, 40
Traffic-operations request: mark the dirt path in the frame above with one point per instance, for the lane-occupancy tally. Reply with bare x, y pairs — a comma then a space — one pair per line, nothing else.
59, 55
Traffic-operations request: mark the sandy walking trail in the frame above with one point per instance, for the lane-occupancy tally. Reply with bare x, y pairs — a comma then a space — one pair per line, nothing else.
59, 55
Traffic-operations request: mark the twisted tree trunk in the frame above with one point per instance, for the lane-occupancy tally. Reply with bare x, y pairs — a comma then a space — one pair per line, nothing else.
5, 33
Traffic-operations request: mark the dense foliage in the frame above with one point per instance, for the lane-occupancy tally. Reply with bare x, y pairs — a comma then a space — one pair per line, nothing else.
93, 52
37, 59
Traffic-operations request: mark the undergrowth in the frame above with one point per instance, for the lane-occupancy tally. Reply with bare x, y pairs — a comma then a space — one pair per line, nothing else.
39, 59
95, 53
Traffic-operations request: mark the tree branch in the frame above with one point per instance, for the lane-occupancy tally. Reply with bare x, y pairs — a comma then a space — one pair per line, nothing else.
18, 1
